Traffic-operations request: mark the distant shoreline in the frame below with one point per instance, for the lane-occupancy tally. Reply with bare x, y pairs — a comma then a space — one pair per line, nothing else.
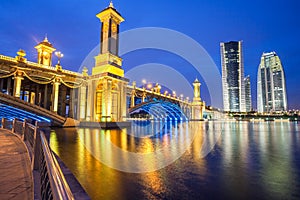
264, 117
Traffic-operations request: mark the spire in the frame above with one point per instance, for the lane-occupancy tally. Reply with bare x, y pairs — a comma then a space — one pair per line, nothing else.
111, 5
196, 81
46, 38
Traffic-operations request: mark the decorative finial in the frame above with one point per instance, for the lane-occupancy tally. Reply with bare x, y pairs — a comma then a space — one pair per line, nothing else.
20, 56
46, 38
85, 71
111, 5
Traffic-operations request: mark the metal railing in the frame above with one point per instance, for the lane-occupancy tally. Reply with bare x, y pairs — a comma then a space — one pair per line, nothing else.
53, 183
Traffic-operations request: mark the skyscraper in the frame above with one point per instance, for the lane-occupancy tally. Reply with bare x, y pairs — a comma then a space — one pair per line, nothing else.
233, 76
248, 93
271, 92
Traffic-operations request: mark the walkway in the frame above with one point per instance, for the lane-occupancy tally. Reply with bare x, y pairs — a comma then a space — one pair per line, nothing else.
16, 181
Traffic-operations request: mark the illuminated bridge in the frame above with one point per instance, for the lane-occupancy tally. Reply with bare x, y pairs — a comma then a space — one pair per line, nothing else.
160, 110
150, 103
43, 91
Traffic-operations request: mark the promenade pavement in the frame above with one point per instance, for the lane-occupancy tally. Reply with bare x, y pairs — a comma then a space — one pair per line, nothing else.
16, 179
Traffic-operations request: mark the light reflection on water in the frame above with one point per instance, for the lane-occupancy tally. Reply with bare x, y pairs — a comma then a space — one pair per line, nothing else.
224, 160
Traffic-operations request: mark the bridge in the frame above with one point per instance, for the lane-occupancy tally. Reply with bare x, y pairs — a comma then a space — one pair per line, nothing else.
30, 92
46, 92
150, 103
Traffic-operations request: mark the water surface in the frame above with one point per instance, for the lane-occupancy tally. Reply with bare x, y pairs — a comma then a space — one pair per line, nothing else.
204, 160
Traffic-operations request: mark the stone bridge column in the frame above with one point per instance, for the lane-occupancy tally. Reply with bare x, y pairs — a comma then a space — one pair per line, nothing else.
71, 114
132, 98
17, 84
144, 95
82, 97
55, 92
91, 101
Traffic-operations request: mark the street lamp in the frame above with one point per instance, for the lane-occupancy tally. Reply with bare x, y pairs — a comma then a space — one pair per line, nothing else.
174, 93
59, 55
149, 86
158, 89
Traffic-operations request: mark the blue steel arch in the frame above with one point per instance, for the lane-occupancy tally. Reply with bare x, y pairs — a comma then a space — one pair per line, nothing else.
163, 110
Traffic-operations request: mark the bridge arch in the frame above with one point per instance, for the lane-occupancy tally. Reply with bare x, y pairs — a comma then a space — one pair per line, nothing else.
159, 110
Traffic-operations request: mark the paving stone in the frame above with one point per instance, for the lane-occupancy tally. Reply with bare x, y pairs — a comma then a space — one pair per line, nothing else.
16, 180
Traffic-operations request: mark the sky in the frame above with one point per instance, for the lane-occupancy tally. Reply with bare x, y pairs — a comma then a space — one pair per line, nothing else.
73, 29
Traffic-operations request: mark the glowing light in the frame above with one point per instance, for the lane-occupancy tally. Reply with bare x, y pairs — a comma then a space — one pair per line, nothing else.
149, 86
174, 93
59, 55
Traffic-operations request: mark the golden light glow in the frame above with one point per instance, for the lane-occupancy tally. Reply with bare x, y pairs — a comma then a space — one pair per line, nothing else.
108, 68
149, 86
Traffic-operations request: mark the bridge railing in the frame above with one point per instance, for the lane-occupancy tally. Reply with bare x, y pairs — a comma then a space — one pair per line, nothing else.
6, 124
53, 183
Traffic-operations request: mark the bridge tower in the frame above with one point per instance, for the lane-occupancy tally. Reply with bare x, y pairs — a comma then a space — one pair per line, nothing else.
108, 59
107, 87
197, 105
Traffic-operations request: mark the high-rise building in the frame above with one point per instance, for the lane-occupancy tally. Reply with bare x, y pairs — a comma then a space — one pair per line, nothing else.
248, 93
271, 91
233, 76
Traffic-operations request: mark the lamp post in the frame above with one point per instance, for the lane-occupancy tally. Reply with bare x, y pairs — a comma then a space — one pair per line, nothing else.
59, 55
149, 86
174, 94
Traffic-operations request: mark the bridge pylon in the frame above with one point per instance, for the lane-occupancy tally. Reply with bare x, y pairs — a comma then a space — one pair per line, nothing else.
105, 91
197, 106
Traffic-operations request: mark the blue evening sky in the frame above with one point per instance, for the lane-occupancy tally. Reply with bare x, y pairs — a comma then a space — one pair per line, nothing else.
72, 28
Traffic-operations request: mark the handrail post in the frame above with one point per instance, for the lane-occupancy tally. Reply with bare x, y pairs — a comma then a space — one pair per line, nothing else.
3, 121
36, 148
13, 127
24, 135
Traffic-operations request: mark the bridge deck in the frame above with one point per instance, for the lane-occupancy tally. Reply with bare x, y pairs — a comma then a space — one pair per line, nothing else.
16, 180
